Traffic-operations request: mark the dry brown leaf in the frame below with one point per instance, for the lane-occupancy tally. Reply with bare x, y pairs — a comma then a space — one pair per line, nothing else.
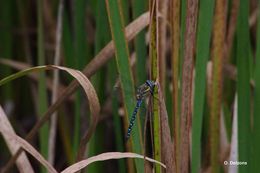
93, 104
186, 95
106, 156
167, 146
26, 146
22, 162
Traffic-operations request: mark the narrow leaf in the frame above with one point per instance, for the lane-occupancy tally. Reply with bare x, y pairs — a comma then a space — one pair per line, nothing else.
106, 156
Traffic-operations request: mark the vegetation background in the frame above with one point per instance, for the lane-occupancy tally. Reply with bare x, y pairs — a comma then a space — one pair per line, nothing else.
204, 56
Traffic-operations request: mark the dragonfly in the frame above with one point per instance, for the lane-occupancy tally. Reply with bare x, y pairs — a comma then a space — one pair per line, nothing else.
142, 92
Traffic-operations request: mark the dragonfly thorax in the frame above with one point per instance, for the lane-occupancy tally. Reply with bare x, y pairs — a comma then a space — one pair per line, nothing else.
145, 89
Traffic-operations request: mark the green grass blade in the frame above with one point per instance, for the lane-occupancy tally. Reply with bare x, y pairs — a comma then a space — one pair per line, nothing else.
203, 48
81, 52
124, 70
256, 131
119, 132
154, 76
81, 55
125, 10
243, 85
20, 74
97, 143
42, 94
70, 61
140, 45
216, 86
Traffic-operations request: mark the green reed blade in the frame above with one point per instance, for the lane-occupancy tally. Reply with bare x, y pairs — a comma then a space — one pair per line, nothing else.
243, 85
140, 45
206, 10
256, 130
123, 66
42, 94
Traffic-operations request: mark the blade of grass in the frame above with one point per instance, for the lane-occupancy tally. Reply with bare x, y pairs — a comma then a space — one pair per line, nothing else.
167, 149
81, 52
182, 41
66, 137
175, 38
42, 95
20, 74
122, 58
162, 39
21, 66
178, 94
228, 85
256, 128
216, 86
97, 143
140, 46
102, 37
243, 85
119, 130
69, 59
125, 10
106, 156
202, 50
187, 74
119, 133
153, 48
81, 55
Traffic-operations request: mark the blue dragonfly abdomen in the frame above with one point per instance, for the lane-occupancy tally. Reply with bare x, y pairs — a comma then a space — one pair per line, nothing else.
132, 120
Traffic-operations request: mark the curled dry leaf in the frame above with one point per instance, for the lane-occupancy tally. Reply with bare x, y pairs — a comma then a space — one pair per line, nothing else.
22, 162
27, 147
106, 156
88, 88
93, 103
